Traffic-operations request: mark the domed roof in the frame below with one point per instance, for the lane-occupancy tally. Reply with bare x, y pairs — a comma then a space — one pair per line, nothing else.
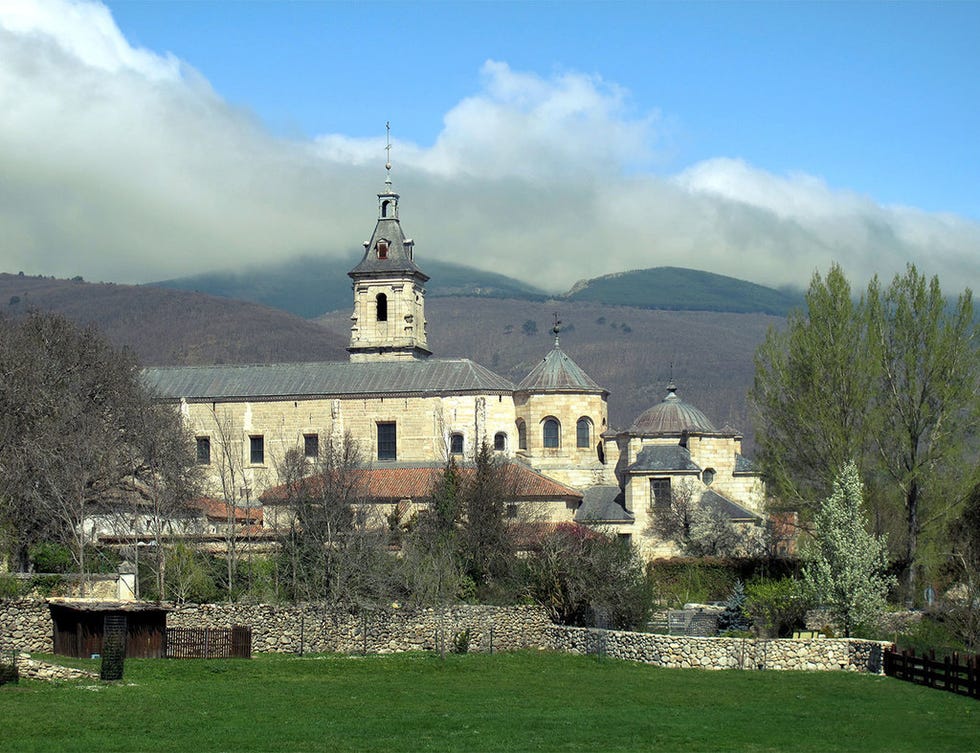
672, 416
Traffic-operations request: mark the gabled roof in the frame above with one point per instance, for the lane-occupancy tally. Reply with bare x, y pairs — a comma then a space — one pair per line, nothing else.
603, 504
663, 457
715, 501
218, 509
388, 485
324, 379
556, 372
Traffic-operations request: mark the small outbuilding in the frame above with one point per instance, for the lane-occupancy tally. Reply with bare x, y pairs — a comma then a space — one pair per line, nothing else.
80, 625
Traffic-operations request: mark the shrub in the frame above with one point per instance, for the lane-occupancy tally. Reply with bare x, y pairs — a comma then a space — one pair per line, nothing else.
8, 672
51, 557
461, 642
11, 587
777, 606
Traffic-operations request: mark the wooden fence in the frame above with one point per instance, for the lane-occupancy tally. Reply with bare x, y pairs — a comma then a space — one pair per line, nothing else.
952, 673
209, 643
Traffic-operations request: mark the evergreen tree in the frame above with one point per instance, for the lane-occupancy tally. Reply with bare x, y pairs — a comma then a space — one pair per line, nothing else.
845, 565
734, 617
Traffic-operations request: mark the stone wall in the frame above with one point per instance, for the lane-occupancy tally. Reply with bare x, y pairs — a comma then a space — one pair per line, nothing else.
42, 670
676, 651
26, 625
312, 628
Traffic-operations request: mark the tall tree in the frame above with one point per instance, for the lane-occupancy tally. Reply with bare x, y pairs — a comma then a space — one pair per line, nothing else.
928, 379
70, 426
487, 539
813, 385
845, 565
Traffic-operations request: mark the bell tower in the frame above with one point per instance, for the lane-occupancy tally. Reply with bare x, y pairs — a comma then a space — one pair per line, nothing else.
388, 322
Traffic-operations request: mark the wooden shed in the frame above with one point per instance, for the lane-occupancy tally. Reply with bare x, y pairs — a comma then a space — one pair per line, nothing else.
79, 626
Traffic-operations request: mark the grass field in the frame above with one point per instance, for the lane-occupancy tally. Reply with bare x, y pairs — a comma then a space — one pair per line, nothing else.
506, 702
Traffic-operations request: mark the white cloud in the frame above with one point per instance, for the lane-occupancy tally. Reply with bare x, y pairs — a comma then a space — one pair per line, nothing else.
121, 164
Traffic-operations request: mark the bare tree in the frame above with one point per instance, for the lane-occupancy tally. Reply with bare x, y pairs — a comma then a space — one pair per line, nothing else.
75, 418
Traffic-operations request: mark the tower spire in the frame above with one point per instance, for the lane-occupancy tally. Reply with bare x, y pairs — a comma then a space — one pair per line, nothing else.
388, 155
557, 328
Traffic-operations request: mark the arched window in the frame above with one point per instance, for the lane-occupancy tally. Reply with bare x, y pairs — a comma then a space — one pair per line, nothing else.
583, 433
384, 208
521, 435
456, 444
499, 441
382, 249
551, 432
382, 300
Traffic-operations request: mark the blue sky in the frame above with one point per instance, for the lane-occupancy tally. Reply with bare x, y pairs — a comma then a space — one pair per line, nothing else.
760, 140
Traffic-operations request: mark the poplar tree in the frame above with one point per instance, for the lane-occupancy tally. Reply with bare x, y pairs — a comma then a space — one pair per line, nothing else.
845, 565
813, 386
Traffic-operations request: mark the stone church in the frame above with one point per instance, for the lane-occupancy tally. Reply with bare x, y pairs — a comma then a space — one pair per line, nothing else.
408, 412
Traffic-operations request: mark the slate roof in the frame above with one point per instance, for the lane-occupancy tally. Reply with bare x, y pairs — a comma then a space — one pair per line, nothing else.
744, 465
603, 504
324, 379
663, 457
672, 416
415, 482
399, 256
732, 510
556, 372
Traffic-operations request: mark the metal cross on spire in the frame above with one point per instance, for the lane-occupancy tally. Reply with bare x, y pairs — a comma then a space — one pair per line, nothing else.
388, 153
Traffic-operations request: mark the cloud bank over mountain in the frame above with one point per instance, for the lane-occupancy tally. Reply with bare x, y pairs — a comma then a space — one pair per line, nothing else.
118, 163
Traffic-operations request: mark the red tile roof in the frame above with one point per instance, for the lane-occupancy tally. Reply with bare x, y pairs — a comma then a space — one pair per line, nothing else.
218, 509
393, 484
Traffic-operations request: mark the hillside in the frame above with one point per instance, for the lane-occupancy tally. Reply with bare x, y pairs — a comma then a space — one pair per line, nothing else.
174, 327
310, 286
629, 351
680, 289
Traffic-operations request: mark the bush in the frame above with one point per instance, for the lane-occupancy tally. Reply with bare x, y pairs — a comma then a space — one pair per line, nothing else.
8, 673
734, 620
11, 587
48, 585
777, 607
51, 557
678, 581
461, 642
584, 577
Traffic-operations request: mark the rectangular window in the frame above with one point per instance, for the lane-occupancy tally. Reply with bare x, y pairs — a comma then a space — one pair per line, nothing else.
386, 441
204, 450
311, 445
256, 450
660, 492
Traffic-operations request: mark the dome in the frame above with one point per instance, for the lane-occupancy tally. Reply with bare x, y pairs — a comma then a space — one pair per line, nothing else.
672, 416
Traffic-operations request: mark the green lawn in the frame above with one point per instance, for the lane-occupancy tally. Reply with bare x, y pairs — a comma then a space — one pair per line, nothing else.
506, 702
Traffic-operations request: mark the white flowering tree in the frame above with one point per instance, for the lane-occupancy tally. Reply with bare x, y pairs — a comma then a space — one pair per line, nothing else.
845, 565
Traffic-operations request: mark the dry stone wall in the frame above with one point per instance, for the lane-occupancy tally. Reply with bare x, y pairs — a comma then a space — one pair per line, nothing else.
314, 628
677, 651
26, 625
